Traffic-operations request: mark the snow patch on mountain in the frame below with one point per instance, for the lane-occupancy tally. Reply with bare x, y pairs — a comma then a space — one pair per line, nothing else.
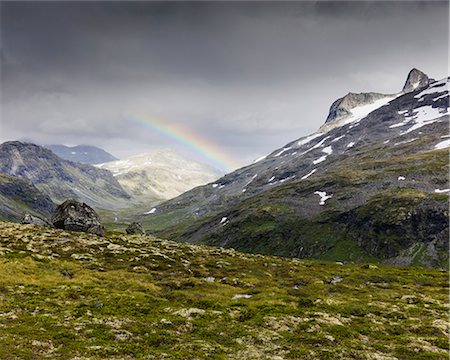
443, 144
323, 196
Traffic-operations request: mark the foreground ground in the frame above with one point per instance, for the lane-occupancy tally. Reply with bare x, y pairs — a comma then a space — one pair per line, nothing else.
77, 296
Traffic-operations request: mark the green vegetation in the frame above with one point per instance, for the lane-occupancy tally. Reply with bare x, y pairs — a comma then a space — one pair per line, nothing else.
74, 295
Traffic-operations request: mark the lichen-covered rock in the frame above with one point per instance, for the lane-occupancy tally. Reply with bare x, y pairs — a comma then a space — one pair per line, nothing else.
76, 216
135, 228
31, 219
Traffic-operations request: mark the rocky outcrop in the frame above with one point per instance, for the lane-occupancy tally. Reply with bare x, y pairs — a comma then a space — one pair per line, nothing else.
416, 80
342, 107
76, 216
135, 228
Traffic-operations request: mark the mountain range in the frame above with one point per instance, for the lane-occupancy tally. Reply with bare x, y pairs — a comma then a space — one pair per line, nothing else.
57, 178
370, 184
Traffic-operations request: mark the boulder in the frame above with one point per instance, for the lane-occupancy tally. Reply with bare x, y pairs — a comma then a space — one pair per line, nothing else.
135, 228
76, 216
31, 219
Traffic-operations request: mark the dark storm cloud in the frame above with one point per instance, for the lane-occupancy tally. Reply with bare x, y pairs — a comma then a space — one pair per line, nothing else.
250, 76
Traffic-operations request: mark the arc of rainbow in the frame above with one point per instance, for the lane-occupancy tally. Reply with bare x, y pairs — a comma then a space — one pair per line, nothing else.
192, 141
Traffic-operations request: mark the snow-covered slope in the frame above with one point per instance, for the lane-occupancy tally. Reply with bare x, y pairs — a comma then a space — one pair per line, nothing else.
161, 174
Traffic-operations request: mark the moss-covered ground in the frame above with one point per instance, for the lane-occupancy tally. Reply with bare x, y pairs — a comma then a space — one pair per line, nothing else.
77, 296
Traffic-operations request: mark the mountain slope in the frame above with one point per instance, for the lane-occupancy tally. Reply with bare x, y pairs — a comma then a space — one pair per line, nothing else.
20, 196
60, 179
71, 295
85, 154
311, 197
159, 175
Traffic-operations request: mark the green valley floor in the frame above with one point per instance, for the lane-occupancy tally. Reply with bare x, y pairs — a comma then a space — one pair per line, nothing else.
66, 295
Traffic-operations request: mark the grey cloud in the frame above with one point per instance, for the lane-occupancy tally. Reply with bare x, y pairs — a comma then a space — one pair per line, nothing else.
250, 76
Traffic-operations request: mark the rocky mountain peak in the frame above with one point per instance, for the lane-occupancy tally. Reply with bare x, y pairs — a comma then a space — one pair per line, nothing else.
416, 79
342, 107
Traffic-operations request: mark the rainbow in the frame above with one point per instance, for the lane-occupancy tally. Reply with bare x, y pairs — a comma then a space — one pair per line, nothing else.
194, 142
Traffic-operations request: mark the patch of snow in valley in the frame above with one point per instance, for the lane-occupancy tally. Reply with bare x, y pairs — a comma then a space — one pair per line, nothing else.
152, 211
224, 221
308, 139
319, 160
338, 138
215, 185
244, 190
351, 144
282, 151
259, 159
323, 196
271, 179
440, 97
328, 151
386, 141
442, 144
308, 175
401, 178
439, 191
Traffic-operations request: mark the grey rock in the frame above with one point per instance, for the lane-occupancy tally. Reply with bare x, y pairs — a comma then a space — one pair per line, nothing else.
76, 216
135, 228
416, 80
31, 219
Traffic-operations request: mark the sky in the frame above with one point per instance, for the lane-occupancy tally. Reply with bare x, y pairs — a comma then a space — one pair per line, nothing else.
220, 82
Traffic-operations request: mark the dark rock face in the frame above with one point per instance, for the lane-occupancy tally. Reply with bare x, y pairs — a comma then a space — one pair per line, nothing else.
416, 80
135, 229
30, 219
75, 216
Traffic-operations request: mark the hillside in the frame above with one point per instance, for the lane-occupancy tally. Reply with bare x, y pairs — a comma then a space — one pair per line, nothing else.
372, 183
60, 179
19, 196
85, 154
73, 295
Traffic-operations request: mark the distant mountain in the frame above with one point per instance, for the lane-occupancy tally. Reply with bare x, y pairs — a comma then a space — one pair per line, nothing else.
371, 184
159, 175
60, 179
85, 154
19, 196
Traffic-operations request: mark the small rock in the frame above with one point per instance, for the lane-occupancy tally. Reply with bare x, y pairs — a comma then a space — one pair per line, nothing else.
334, 280
135, 228
31, 219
